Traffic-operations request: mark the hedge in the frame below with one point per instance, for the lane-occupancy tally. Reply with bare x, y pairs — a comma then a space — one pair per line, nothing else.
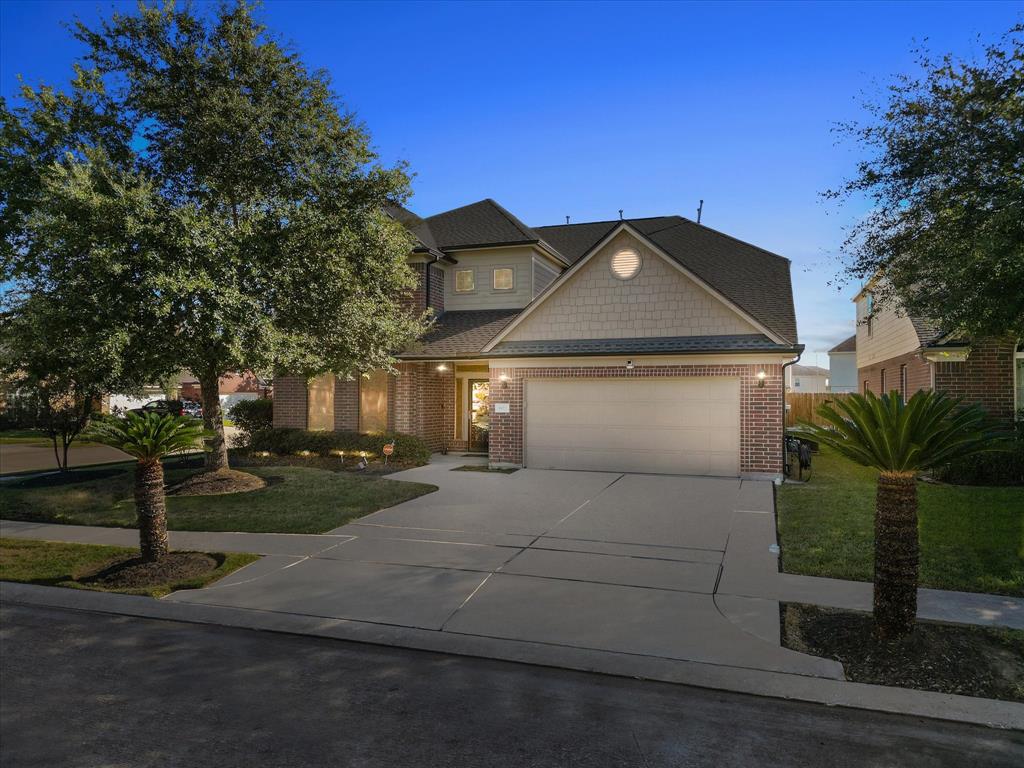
996, 468
408, 449
252, 416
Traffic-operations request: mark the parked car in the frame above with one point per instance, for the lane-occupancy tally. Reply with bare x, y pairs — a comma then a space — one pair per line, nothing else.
175, 407
193, 408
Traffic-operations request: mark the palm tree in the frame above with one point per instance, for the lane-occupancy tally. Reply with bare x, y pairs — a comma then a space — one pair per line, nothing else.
901, 439
150, 438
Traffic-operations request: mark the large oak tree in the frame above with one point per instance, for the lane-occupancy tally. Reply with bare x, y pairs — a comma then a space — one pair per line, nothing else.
256, 236
943, 171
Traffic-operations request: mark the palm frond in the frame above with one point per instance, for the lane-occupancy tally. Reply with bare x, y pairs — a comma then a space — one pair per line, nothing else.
151, 436
928, 430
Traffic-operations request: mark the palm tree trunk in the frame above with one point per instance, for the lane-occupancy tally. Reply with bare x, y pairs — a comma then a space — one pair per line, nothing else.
213, 420
896, 555
150, 510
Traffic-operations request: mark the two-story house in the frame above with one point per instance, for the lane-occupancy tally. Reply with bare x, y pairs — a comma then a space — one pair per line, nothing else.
898, 352
646, 345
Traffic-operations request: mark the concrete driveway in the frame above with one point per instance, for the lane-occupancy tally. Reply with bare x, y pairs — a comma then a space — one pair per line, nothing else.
631, 564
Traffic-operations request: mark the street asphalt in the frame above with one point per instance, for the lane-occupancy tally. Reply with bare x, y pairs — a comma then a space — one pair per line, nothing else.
84, 689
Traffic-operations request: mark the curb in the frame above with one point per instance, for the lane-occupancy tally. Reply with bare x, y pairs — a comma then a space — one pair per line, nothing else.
837, 693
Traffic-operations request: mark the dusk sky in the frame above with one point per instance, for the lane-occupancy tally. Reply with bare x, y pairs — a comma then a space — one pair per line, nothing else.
581, 109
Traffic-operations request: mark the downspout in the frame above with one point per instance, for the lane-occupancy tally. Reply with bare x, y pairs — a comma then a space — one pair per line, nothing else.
794, 361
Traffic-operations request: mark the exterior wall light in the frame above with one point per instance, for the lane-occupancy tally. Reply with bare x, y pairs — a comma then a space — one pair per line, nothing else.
761, 377
503, 377
442, 367
629, 365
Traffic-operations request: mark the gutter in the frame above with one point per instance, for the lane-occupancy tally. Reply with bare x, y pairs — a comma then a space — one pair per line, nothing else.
794, 361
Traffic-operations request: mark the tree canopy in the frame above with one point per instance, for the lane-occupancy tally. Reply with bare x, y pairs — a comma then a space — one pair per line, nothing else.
943, 171
228, 208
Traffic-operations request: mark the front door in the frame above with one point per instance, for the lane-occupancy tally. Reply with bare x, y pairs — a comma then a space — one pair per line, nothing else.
479, 414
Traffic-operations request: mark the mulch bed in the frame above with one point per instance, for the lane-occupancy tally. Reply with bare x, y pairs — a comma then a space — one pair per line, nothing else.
216, 483
134, 573
948, 658
330, 463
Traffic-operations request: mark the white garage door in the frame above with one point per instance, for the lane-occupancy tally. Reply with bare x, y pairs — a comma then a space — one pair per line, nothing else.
675, 426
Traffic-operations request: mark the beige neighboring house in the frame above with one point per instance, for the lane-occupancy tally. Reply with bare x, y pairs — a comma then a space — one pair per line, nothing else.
898, 352
842, 366
647, 345
807, 379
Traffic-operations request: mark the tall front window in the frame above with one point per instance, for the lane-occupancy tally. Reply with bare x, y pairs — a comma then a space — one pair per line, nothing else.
373, 402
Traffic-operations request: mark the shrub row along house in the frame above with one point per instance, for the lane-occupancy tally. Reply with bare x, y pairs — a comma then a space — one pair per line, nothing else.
646, 345
896, 351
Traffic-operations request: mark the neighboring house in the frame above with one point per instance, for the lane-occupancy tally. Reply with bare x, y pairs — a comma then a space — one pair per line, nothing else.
233, 387
897, 352
807, 378
647, 345
842, 366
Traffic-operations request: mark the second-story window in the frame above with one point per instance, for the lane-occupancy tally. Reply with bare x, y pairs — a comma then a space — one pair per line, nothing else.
464, 281
504, 279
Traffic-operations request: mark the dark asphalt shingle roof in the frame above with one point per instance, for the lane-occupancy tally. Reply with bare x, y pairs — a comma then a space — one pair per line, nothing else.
482, 223
656, 345
927, 331
461, 334
752, 278
846, 345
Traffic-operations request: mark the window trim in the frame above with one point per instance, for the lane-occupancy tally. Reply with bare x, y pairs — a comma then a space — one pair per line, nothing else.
903, 383
494, 277
1018, 355
882, 382
455, 280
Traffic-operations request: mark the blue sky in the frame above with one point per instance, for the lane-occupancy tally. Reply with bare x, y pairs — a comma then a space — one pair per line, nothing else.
580, 109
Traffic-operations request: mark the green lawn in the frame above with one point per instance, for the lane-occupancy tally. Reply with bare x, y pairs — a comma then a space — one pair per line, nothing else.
296, 500
972, 538
52, 563
31, 437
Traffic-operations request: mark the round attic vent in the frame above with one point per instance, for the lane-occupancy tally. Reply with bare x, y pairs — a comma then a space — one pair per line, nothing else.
625, 263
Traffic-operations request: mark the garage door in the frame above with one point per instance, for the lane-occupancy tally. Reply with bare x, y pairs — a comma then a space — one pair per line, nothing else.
675, 426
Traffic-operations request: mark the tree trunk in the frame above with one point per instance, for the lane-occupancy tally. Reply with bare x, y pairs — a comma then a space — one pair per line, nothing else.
150, 510
896, 555
213, 420
56, 454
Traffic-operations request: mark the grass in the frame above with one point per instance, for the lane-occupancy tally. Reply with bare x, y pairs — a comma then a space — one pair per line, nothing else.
296, 500
485, 468
31, 437
59, 564
972, 537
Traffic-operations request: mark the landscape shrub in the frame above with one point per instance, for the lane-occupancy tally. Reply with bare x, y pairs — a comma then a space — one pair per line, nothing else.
1003, 468
408, 449
252, 416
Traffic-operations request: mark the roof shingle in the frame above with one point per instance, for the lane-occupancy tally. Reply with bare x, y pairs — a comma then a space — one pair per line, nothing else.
461, 333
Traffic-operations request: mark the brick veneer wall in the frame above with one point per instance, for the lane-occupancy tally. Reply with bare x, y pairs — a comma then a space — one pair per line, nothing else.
436, 297
919, 374
346, 404
760, 407
416, 300
986, 377
290, 402
423, 401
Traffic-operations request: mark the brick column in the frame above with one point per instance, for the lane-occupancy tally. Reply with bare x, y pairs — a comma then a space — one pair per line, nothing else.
290, 402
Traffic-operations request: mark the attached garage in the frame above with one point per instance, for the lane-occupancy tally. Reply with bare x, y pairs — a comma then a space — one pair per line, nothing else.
685, 425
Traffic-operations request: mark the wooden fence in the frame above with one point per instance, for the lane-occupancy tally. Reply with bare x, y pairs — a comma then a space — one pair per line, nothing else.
803, 406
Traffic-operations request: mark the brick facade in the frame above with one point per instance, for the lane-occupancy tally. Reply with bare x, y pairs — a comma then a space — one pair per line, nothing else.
919, 375
436, 298
290, 402
423, 401
761, 420
346, 404
986, 377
